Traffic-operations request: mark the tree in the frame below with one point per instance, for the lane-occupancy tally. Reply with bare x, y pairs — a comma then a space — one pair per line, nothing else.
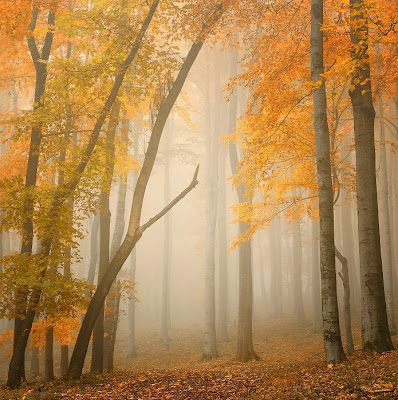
16, 363
135, 229
330, 312
375, 331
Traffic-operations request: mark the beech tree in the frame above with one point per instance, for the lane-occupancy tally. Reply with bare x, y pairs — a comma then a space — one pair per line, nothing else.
375, 330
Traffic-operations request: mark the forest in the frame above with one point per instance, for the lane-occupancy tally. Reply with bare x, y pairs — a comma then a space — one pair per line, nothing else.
197, 199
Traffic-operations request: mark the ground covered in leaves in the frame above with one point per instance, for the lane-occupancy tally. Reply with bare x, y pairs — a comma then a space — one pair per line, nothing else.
291, 367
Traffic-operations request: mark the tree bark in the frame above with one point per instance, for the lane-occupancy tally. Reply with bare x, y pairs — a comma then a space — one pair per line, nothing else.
245, 348
93, 252
167, 240
212, 148
101, 345
276, 269
35, 363
344, 275
330, 312
223, 308
388, 266
132, 350
316, 279
375, 331
49, 355
297, 275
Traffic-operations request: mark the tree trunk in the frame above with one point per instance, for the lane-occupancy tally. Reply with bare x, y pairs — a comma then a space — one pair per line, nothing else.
35, 363
112, 334
49, 355
316, 288
16, 372
112, 301
212, 150
330, 312
99, 344
245, 348
344, 275
388, 266
167, 240
93, 252
276, 269
132, 350
297, 275
375, 331
223, 309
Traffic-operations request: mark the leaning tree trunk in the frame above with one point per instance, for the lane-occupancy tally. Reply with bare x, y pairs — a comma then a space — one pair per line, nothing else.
212, 148
375, 330
388, 266
344, 275
330, 312
316, 279
135, 231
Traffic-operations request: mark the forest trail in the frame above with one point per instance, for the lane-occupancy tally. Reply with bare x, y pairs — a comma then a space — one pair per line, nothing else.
291, 367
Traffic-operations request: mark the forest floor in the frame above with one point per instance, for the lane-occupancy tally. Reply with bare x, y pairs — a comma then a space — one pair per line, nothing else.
291, 367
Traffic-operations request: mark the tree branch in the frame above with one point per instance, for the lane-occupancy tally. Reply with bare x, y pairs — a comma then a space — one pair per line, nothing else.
34, 52
48, 40
71, 185
190, 187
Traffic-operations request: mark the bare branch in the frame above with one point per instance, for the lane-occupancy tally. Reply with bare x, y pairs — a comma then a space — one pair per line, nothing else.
190, 187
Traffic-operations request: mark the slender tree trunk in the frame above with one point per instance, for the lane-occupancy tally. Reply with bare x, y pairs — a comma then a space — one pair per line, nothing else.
99, 344
112, 339
113, 300
276, 269
132, 350
349, 250
223, 309
344, 275
35, 363
93, 252
375, 331
316, 279
49, 355
245, 348
388, 266
297, 275
167, 241
330, 312
212, 149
